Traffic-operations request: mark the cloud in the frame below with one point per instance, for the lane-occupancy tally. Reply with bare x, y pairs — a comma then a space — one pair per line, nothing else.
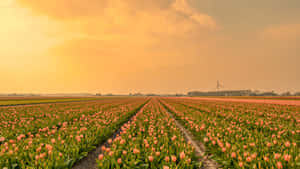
200, 18
123, 16
117, 45
115, 31
109, 42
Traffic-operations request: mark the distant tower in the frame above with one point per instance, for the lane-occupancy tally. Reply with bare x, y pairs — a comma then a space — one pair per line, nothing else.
219, 86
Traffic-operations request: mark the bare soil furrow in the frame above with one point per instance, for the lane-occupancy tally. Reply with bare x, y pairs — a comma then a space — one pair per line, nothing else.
199, 147
89, 162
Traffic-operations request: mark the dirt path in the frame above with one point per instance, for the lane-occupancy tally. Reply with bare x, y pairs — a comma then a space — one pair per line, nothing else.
89, 162
199, 147
264, 101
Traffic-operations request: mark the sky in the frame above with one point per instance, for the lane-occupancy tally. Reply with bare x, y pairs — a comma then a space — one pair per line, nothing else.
158, 46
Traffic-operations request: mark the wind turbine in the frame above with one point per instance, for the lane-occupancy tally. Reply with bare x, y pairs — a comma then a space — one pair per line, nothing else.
219, 85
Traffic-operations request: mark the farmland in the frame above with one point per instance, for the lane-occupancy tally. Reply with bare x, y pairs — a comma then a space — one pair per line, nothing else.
146, 132
8, 101
241, 135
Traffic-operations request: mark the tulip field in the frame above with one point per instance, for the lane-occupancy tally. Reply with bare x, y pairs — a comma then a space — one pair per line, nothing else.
243, 135
143, 133
58, 135
5, 101
150, 140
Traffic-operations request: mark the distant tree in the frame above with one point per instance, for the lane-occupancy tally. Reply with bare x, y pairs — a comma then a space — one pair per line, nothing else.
297, 94
286, 94
179, 94
268, 94
255, 93
137, 94
151, 94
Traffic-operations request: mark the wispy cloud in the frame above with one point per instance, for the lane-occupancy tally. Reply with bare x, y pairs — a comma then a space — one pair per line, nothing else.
125, 16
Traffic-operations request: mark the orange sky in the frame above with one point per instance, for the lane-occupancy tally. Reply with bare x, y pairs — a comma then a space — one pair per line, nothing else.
160, 46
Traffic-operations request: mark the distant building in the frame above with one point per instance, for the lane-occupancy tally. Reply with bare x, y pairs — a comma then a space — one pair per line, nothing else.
221, 93
286, 94
268, 94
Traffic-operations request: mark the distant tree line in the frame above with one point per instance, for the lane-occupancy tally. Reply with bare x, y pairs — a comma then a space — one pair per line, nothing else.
240, 93
210, 93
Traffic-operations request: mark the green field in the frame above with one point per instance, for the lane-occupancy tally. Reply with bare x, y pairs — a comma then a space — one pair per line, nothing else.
24, 100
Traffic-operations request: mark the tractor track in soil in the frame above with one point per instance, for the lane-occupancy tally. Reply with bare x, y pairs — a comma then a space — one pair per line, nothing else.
199, 147
89, 162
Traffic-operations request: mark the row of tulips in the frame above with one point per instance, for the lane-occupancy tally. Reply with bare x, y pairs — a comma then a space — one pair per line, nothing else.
150, 140
62, 133
243, 135
18, 120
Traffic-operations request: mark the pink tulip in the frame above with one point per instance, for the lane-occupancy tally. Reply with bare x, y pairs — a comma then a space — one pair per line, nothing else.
266, 158
173, 138
189, 160
182, 155
253, 156
233, 155
287, 144
167, 159
100, 157
173, 158
136, 151
277, 156
150, 158
122, 141
287, 157
205, 139
248, 159
78, 138
119, 161
279, 165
